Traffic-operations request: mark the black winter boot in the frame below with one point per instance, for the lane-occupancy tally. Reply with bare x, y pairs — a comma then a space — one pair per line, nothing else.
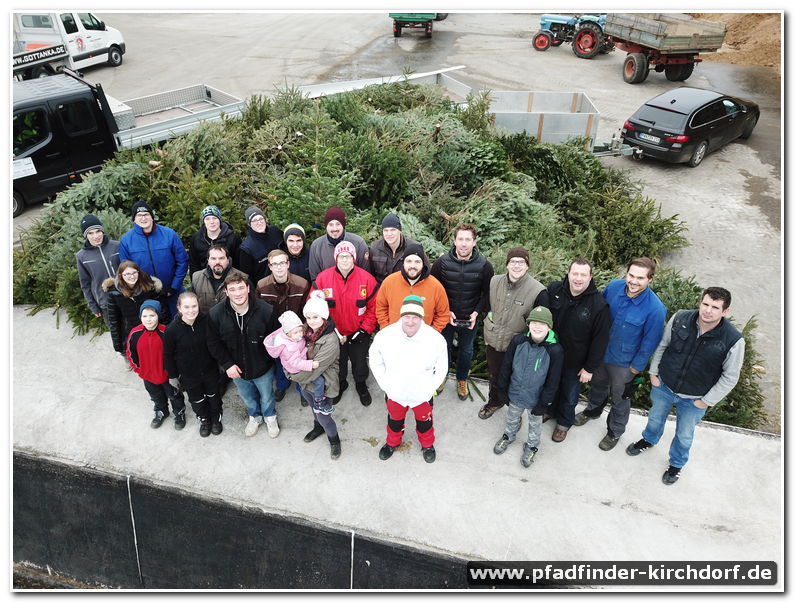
317, 431
336, 449
364, 394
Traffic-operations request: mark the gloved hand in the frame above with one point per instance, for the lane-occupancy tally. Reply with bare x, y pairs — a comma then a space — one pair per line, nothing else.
630, 387
169, 291
174, 382
539, 410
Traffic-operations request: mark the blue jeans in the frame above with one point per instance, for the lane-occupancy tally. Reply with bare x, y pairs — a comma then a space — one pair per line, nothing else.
258, 395
466, 344
566, 398
688, 415
282, 382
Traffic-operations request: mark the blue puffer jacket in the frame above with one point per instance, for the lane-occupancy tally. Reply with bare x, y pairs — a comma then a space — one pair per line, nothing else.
530, 372
160, 253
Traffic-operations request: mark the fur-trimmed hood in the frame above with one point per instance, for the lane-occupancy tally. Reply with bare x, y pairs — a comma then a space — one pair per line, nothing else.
110, 283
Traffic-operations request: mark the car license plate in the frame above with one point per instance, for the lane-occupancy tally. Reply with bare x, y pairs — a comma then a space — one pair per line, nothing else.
649, 137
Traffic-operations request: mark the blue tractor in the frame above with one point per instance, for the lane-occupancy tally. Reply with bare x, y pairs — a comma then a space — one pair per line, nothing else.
584, 32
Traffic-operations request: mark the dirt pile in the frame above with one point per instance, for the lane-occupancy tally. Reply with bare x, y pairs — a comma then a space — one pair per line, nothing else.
751, 39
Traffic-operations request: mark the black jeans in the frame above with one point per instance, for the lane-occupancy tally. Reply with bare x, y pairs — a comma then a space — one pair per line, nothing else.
204, 398
162, 393
356, 351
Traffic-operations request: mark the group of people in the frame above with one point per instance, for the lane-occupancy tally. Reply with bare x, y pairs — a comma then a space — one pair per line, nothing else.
267, 311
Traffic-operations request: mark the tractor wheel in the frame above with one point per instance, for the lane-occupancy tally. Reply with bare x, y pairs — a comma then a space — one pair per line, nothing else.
636, 68
542, 40
587, 41
556, 42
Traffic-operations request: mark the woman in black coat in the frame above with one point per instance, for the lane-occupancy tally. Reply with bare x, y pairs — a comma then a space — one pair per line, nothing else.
126, 292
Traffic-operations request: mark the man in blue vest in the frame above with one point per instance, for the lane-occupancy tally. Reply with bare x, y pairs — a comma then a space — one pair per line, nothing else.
638, 320
695, 366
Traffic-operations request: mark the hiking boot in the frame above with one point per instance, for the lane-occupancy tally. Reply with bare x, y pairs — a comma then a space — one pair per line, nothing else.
305, 403
671, 475
273, 426
487, 411
608, 442
158, 419
317, 431
217, 427
279, 394
581, 419
204, 428
501, 445
179, 420
638, 447
336, 448
364, 394
528, 455
463, 390
429, 454
559, 434
385, 452
252, 427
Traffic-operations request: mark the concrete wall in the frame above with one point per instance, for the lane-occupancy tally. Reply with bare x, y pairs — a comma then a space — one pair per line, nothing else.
123, 532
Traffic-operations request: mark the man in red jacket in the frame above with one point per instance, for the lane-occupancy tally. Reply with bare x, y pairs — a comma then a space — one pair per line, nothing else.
350, 293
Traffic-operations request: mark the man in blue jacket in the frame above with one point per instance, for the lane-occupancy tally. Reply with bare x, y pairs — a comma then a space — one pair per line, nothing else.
157, 250
638, 322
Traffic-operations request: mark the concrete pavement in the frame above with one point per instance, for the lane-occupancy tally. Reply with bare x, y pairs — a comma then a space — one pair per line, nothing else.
575, 502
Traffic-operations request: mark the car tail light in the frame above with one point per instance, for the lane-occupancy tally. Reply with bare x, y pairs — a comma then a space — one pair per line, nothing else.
678, 139
629, 127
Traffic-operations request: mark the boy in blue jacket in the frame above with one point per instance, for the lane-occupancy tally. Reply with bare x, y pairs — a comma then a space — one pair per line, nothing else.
528, 380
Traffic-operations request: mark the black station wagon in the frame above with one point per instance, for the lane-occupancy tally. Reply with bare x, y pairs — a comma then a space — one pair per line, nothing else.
684, 124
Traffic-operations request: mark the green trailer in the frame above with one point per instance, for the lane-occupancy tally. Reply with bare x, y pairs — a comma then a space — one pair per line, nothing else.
414, 20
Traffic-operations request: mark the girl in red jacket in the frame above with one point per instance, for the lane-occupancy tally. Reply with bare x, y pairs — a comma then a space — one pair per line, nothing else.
145, 355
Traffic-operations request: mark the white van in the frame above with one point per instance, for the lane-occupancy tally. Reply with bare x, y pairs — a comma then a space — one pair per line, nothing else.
45, 41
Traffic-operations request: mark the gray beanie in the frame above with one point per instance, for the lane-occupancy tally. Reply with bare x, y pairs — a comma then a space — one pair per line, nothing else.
391, 221
253, 212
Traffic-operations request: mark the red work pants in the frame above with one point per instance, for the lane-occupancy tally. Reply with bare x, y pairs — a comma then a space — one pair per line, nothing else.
423, 416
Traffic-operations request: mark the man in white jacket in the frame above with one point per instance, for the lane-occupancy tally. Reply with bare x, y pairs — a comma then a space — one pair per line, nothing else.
408, 360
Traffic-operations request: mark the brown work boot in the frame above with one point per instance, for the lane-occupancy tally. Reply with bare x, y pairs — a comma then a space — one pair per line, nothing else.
487, 411
463, 390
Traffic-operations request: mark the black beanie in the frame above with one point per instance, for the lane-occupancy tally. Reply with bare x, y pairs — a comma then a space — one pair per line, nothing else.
414, 249
391, 221
89, 222
141, 206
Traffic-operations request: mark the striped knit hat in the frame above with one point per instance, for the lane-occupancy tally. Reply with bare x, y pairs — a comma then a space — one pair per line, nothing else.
412, 304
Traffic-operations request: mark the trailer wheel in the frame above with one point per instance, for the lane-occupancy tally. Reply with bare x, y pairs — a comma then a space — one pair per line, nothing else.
636, 68
542, 40
397, 29
687, 71
114, 56
587, 41
428, 30
18, 204
698, 154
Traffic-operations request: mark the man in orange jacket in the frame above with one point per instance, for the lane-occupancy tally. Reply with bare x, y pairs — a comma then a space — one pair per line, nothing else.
414, 278
350, 293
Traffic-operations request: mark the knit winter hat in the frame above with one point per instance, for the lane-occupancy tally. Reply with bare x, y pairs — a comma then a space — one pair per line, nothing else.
540, 314
252, 212
90, 222
344, 247
413, 249
289, 321
149, 303
412, 304
335, 213
518, 252
210, 210
294, 229
316, 304
141, 206
391, 221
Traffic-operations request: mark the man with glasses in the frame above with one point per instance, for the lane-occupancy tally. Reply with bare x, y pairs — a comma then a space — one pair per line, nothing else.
235, 337
284, 291
511, 296
261, 240
157, 250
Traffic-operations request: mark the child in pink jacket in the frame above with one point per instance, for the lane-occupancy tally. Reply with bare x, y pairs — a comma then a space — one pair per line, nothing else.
289, 345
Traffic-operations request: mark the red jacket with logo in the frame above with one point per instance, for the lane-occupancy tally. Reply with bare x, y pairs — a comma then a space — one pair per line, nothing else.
351, 300
145, 353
